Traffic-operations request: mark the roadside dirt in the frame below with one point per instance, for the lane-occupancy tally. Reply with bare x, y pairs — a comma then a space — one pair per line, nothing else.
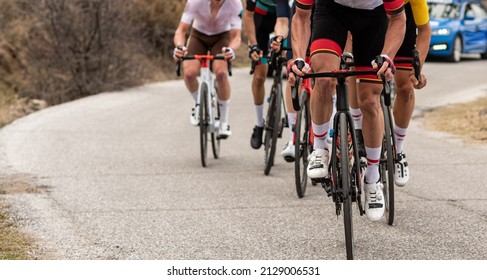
467, 121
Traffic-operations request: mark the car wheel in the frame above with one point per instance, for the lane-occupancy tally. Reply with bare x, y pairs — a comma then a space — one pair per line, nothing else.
456, 55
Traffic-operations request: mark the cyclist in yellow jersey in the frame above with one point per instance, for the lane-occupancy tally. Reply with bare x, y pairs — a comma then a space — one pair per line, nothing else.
418, 35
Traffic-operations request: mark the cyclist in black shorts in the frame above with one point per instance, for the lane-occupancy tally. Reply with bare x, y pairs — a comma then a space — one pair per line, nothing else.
377, 28
261, 18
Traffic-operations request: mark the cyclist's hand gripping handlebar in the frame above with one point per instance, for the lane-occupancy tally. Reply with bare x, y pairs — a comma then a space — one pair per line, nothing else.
387, 87
417, 66
294, 93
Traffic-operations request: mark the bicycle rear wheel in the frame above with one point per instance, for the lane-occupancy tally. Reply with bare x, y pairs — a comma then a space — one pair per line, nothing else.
272, 126
204, 116
345, 180
215, 140
387, 163
302, 146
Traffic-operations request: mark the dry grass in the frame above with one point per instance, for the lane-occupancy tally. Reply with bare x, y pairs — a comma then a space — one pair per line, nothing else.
13, 244
465, 121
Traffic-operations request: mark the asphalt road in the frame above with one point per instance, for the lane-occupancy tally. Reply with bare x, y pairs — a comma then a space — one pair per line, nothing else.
120, 177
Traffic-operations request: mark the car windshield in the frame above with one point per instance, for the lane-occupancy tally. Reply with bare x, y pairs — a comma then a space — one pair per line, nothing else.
444, 10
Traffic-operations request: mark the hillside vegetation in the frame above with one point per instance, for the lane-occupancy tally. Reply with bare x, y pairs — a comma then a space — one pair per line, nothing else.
60, 50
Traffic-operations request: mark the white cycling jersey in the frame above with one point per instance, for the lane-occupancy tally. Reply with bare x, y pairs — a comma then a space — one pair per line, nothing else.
360, 4
198, 13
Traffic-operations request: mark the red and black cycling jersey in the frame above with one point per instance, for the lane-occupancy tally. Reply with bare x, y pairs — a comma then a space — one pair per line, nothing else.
279, 8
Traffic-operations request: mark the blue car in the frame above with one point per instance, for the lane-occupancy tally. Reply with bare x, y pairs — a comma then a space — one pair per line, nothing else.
458, 27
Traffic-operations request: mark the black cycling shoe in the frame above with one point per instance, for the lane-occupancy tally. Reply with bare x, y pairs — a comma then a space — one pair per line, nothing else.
360, 143
256, 140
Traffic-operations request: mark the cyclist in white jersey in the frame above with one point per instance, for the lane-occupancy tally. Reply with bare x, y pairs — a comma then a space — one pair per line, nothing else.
216, 27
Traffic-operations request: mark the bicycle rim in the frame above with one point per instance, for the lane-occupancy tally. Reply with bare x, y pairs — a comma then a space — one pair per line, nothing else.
272, 128
215, 141
387, 165
345, 183
301, 146
203, 124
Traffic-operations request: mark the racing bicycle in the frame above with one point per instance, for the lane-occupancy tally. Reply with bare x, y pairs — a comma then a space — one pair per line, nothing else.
207, 110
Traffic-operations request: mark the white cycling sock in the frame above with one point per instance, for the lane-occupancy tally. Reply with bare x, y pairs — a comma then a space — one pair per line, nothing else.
357, 117
259, 111
291, 117
400, 134
373, 159
320, 132
224, 110
195, 96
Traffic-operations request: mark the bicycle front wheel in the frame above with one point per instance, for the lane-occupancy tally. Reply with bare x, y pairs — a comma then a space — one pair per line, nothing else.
344, 175
204, 117
302, 145
387, 163
272, 126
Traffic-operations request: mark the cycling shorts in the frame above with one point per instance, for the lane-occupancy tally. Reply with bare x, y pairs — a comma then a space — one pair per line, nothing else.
409, 43
200, 43
331, 23
264, 26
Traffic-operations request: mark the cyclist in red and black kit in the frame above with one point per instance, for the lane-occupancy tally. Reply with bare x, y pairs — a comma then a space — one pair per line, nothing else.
377, 28
261, 18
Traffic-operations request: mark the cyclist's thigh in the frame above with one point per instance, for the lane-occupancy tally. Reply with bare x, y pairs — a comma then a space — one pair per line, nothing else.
220, 41
328, 34
197, 43
409, 42
264, 26
368, 28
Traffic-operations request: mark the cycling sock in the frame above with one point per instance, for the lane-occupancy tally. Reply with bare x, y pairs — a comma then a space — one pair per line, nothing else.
357, 117
195, 96
259, 110
400, 134
291, 117
320, 131
224, 108
373, 159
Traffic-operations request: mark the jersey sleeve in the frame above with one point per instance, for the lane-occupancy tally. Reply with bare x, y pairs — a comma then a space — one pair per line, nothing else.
393, 7
236, 21
420, 12
304, 4
282, 8
189, 12
250, 5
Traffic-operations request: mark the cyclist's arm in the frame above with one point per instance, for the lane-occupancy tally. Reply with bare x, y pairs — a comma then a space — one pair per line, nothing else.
423, 41
180, 34
248, 22
282, 23
236, 35
301, 30
396, 28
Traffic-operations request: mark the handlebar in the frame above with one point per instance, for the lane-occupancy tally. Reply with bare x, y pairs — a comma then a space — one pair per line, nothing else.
338, 74
204, 58
271, 58
416, 63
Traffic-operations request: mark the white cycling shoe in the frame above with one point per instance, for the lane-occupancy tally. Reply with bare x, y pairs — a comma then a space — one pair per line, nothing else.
318, 164
288, 152
374, 201
401, 172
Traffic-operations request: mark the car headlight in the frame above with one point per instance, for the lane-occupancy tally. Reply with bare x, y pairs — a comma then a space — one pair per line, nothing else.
441, 32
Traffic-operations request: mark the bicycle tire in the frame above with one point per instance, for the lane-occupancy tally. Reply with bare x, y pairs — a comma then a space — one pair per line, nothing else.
203, 123
345, 183
273, 122
215, 140
302, 145
387, 163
